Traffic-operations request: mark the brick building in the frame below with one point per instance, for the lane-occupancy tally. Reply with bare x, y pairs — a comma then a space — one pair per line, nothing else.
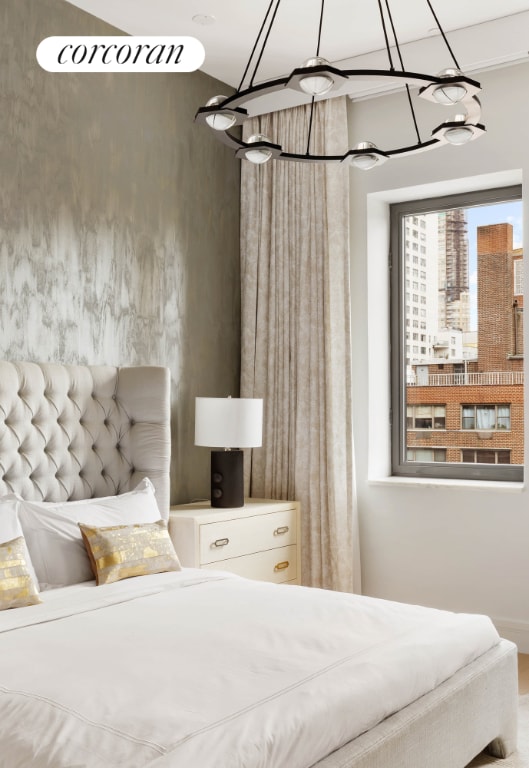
472, 410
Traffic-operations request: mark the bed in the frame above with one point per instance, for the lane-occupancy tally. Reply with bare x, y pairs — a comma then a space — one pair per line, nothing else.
180, 668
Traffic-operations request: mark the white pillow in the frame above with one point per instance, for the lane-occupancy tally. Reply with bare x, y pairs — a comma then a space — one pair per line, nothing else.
10, 527
54, 539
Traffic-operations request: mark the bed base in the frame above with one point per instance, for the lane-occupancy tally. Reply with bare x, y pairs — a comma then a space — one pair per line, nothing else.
475, 709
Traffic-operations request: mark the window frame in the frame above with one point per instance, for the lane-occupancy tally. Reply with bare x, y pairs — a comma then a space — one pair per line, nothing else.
400, 465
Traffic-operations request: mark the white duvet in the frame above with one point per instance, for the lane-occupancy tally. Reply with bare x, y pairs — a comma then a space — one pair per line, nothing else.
200, 670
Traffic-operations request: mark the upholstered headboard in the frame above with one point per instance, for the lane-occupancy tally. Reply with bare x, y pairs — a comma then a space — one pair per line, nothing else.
73, 432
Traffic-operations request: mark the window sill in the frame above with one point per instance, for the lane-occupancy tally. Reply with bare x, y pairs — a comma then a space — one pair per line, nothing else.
438, 482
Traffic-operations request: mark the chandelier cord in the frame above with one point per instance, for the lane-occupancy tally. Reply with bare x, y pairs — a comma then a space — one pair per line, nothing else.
310, 126
255, 46
319, 28
312, 101
413, 114
264, 43
384, 29
397, 46
439, 27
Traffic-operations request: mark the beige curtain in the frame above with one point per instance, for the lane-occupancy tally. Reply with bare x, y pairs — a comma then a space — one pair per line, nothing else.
296, 336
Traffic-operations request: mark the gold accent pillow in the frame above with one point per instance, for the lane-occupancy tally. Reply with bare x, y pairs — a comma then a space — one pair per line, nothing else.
17, 588
121, 551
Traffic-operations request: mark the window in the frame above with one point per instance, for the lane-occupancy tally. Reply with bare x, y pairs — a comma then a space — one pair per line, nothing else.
471, 314
486, 417
426, 416
485, 457
518, 277
426, 454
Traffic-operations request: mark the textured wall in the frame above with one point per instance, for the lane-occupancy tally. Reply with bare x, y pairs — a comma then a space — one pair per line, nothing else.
118, 223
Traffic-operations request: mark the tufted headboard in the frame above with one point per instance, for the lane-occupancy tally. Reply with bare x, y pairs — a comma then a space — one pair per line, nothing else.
73, 432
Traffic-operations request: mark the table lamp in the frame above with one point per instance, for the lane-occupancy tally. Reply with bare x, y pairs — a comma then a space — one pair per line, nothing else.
229, 423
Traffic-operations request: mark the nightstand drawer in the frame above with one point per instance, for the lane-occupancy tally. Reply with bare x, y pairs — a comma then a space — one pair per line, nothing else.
276, 565
259, 540
243, 536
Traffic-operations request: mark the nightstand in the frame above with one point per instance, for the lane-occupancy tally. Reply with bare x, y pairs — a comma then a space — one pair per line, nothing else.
258, 541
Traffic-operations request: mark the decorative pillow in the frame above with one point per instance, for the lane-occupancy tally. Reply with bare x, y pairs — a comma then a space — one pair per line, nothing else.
54, 539
10, 527
17, 587
121, 551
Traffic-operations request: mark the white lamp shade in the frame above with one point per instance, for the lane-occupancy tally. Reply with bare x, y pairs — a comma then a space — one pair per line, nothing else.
228, 422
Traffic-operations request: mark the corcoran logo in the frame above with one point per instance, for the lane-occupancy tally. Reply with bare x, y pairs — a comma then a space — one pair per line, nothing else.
120, 54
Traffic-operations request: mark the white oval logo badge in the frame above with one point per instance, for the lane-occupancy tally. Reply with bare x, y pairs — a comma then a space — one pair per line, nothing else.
120, 54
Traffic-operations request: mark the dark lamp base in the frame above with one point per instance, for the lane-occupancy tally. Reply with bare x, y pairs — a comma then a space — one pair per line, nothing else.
227, 479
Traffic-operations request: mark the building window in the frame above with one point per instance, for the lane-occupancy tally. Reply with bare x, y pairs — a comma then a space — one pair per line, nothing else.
471, 273
486, 417
426, 416
426, 454
518, 277
476, 456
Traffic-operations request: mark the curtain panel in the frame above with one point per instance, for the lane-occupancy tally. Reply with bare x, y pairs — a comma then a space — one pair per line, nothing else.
296, 336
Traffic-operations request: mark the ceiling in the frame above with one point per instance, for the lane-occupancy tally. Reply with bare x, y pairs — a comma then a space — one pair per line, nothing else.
480, 37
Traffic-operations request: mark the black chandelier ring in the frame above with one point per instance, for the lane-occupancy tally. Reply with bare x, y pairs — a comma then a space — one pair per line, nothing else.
317, 77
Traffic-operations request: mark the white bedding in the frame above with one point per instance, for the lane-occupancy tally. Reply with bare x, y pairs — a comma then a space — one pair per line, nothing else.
207, 670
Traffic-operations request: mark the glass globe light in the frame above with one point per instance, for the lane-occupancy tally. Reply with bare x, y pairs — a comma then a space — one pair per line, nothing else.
260, 154
451, 93
318, 84
366, 160
458, 134
220, 121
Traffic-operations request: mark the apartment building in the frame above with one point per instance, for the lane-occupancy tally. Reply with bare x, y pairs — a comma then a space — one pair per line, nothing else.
470, 409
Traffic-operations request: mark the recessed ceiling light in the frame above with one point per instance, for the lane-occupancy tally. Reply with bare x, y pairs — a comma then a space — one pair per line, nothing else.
203, 19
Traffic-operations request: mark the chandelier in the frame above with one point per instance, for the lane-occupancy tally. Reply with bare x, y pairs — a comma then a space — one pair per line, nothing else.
318, 78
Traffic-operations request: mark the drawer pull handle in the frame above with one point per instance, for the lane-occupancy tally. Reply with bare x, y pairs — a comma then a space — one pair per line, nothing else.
280, 530
281, 566
220, 543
